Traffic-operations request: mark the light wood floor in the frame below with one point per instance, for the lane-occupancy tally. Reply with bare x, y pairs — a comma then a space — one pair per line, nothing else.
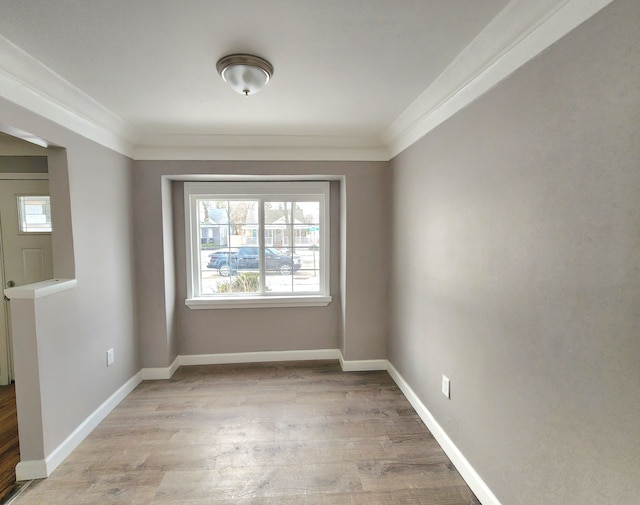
279, 433
9, 447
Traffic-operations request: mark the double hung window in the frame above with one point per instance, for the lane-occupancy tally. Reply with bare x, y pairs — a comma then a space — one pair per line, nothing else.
257, 243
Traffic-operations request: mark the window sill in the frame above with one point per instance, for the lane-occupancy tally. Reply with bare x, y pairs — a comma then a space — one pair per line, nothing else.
257, 302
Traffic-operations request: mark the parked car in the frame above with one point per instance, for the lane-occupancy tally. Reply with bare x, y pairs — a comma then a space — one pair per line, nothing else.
227, 261
219, 260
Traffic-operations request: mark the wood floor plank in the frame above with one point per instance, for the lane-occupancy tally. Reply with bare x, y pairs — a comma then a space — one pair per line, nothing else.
274, 433
9, 446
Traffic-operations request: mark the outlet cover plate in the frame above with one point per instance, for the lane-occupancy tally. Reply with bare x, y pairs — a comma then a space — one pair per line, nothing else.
446, 386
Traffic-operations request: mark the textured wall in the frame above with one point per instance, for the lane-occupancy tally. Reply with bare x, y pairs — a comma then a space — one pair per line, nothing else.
516, 272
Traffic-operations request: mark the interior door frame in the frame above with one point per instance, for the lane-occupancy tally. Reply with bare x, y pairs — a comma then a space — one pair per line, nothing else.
6, 372
6, 361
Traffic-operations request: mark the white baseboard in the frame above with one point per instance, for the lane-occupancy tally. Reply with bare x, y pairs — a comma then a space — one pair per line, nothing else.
259, 357
161, 373
268, 356
365, 365
473, 480
32, 469
42, 468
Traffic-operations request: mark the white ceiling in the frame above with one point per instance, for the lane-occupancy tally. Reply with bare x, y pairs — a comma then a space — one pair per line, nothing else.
346, 71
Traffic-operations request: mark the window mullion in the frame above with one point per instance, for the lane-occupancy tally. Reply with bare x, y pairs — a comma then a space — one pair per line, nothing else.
196, 278
261, 241
291, 232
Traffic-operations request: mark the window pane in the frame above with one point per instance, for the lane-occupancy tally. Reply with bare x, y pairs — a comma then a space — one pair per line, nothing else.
225, 277
290, 224
307, 278
214, 223
243, 217
279, 267
289, 269
228, 246
228, 222
220, 265
292, 237
35, 214
238, 283
306, 246
277, 219
277, 283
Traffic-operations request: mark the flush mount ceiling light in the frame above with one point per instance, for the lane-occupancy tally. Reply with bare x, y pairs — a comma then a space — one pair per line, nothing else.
245, 73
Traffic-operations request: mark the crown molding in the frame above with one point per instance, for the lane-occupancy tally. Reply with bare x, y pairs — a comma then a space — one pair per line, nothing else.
28, 83
521, 31
260, 147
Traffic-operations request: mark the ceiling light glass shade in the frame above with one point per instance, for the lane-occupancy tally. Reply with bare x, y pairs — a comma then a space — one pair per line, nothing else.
245, 73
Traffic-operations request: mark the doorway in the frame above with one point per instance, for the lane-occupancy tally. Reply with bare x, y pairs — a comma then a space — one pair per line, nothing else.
25, 247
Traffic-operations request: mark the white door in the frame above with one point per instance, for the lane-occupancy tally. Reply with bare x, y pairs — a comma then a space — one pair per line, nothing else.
25, 249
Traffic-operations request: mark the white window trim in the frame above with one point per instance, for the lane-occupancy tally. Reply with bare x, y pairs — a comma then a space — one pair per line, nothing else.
253, 189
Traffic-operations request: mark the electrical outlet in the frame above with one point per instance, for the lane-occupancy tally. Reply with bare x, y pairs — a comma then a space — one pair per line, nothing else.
446, 386
110, 357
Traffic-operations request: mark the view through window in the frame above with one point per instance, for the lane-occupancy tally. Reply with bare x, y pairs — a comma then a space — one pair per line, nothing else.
258, 239
34, 214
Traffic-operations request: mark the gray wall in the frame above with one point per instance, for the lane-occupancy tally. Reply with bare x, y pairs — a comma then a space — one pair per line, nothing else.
23, 164
91, 195
12, 146
273, 329
356, 320
516, 272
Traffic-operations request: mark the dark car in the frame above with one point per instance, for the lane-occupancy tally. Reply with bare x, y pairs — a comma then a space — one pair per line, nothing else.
227, 261
219, 260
